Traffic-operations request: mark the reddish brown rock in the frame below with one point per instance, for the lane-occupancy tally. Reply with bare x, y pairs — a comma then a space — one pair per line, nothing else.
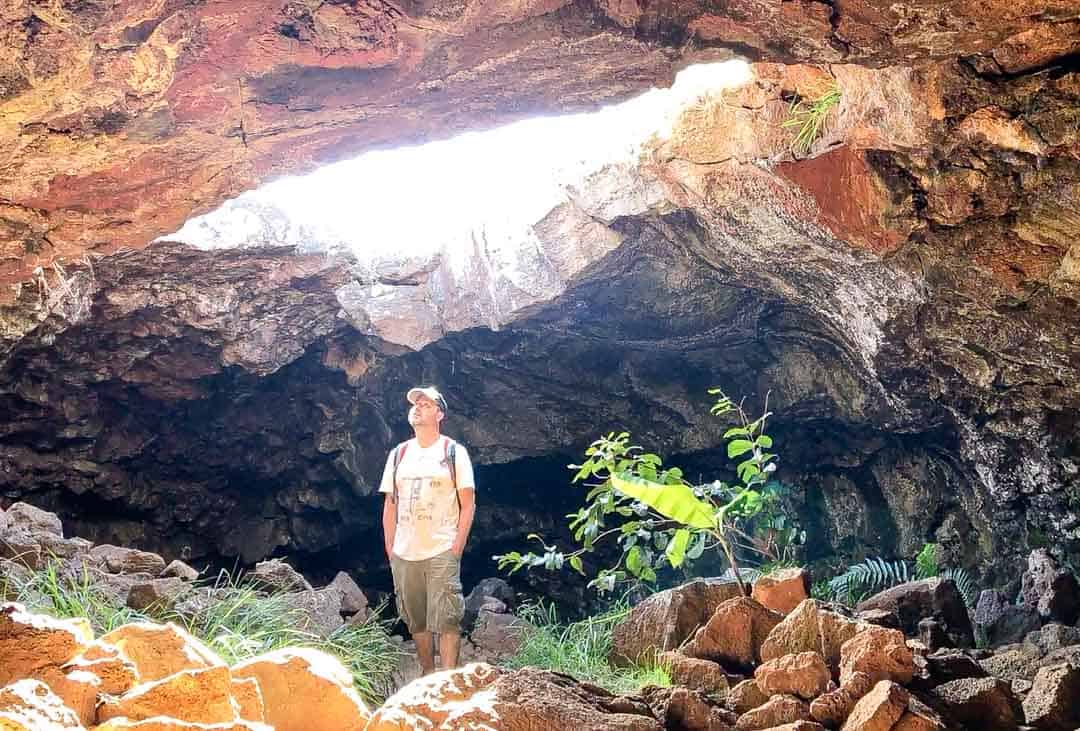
810, 628
746, 696
881, 653
879, 709
834, 707
734, 634
78, 689
32, 641
688, 709
782, 590
295, 680
29, 705
804, 675
666, 619
116, 673
159, 650
1054, 699
778, 710
249, 701
198, 696
691, 672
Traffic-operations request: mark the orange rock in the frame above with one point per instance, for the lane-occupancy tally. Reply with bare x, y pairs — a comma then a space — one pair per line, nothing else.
996, 127
248, 697
912, 721
437, 698
834, 707
694, 673
29, 705
879, 709
809, 628
734, 634
31, 641
879, 652
77, 689
202, 695
116, 674
163, 723
782, 590
804, 675
777, 711
297, 681
159, 650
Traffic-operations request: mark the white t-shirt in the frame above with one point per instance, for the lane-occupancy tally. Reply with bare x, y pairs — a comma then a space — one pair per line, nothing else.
427, 507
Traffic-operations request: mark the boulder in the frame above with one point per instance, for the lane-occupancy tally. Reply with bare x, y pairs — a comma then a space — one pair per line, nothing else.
294, 681
29, 705
77, 689
32, 641
703, 675
879, 652
490, 588
275, 575
25, 517
180, 570
498, 636
1053, 637
203, 695
919, 717
987, 704
156, 594
684, 708
353, 599
249, 702
746, 696
833, 708
804, 675
914, 601
799, 726
321, 609
812, 628
944, 666
159, 650
1053, 703
666, 619
116, 674
120, 560
1051, 590
776, 711
879, 709
734, 634
999, 622
483, 696
783, 589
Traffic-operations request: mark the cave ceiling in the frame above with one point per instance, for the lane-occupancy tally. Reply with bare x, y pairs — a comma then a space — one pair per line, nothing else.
906, 290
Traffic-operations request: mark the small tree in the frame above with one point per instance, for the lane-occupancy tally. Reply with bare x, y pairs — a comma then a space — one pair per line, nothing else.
657, 517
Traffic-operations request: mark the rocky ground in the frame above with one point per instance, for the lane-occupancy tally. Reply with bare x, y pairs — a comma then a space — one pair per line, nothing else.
903, 659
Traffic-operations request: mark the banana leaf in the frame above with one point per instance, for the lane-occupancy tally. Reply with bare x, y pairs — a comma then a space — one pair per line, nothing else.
677, 502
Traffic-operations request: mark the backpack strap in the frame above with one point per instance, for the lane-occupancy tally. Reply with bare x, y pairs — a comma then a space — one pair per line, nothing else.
399, 453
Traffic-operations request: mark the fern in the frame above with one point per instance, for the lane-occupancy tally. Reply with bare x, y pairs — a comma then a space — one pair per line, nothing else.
965, 584
809, 120
868, 577
926, 563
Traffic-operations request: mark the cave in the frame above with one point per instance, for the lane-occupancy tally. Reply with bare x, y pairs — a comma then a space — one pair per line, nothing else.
184, 370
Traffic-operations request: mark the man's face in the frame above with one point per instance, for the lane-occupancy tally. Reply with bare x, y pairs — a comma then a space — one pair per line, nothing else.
424, 412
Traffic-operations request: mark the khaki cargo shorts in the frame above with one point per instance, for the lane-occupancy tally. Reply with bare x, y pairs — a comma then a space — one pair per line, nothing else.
428, 593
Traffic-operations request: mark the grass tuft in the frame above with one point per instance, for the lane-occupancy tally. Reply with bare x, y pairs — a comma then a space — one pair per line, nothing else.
809, 119
581, 649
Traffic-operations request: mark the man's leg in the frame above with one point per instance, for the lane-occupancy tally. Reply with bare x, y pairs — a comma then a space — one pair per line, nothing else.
425, 651
449, 645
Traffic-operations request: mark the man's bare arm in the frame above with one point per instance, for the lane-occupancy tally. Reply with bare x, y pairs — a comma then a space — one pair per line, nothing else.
389, 522
467, 498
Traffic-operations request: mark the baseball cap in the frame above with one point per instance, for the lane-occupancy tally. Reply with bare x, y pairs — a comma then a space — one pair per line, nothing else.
431, 392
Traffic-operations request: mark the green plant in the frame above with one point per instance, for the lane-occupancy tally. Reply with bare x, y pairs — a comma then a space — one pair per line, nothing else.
866, 578
242, 621
809, 119
50, 591
926, 562
965, 584
581, 649
658, 518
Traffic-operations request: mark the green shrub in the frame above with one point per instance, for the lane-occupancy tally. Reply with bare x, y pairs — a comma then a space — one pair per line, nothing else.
659, 519
48, 591
876, 574
581, 649
809, 119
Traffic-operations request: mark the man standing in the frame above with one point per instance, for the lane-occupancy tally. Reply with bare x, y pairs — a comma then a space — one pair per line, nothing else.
427, 514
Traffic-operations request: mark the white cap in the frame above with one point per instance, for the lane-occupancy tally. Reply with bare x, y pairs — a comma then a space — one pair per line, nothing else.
430, 391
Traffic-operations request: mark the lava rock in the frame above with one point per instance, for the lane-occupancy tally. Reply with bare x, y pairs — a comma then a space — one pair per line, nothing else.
982, 703
999, 622
935, 598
